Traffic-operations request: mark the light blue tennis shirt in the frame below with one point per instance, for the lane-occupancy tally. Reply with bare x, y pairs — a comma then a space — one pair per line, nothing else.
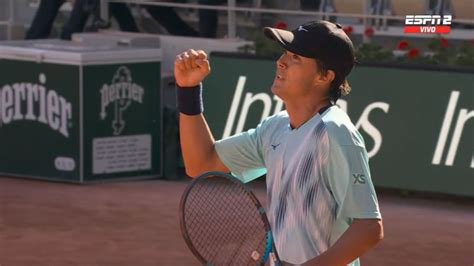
318, 178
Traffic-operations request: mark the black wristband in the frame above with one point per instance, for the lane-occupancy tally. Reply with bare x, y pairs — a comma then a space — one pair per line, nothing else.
190, 100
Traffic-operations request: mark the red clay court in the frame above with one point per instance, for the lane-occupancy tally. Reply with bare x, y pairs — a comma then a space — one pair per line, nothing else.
136, 223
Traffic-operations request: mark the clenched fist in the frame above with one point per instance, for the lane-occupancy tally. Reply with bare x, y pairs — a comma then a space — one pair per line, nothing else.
191, 67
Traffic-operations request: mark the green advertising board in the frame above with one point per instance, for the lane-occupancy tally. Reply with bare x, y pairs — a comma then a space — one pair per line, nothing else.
417, 124
79, 113
38, 112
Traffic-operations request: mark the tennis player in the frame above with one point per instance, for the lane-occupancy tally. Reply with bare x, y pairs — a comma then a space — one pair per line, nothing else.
323, 208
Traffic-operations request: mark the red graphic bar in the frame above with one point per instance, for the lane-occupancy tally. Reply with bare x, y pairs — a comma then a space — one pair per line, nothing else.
427, 29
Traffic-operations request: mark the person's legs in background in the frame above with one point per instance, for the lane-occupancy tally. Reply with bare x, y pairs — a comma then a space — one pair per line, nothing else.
43, 21
171, 21
79, 15
310, 4
208, 19
84, 8
124, 17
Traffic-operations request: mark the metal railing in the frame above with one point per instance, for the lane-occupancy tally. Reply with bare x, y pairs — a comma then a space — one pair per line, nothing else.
9, 22
231, 9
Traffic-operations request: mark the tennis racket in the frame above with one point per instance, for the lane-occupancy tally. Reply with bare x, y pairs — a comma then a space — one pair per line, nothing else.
223, 223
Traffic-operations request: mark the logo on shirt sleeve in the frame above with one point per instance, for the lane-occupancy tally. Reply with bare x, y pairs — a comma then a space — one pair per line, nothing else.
358, 178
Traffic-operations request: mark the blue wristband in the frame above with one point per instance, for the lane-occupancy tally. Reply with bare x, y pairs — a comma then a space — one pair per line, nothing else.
190, 100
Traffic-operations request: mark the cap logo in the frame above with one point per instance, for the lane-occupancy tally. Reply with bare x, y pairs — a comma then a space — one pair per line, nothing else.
302, 29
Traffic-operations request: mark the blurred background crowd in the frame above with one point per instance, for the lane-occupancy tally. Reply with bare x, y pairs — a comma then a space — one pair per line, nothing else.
376, 26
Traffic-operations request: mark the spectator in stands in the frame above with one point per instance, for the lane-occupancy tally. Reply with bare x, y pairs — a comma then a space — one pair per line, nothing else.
310, 4
48, 10
171, 21
208, 18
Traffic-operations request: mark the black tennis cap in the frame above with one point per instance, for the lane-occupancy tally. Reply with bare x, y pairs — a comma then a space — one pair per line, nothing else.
322, 40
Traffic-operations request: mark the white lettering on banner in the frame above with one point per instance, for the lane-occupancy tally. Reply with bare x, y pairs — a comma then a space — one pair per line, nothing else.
373, 132
19, 89
42, 116
248, 101
266, 100
53, 110
7, 104
121, 93
463, 117
33, 102
235, 105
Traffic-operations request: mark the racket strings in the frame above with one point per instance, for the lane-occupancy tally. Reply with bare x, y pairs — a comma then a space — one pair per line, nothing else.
227, 231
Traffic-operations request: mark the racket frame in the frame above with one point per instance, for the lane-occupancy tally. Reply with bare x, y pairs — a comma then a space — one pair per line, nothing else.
269, 246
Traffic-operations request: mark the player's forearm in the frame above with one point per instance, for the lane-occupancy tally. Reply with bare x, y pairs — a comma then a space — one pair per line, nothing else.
362, 235
197, 144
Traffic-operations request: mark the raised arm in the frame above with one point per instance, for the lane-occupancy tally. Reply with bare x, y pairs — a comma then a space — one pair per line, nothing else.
197, 142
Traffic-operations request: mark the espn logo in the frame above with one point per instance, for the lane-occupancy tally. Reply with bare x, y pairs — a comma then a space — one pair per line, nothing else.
427, 24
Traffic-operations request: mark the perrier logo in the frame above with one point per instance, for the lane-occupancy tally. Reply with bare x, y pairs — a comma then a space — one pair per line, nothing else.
26, 101
121, 92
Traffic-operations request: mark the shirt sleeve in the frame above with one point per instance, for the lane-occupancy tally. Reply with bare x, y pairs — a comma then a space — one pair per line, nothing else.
350, 182
243, 154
